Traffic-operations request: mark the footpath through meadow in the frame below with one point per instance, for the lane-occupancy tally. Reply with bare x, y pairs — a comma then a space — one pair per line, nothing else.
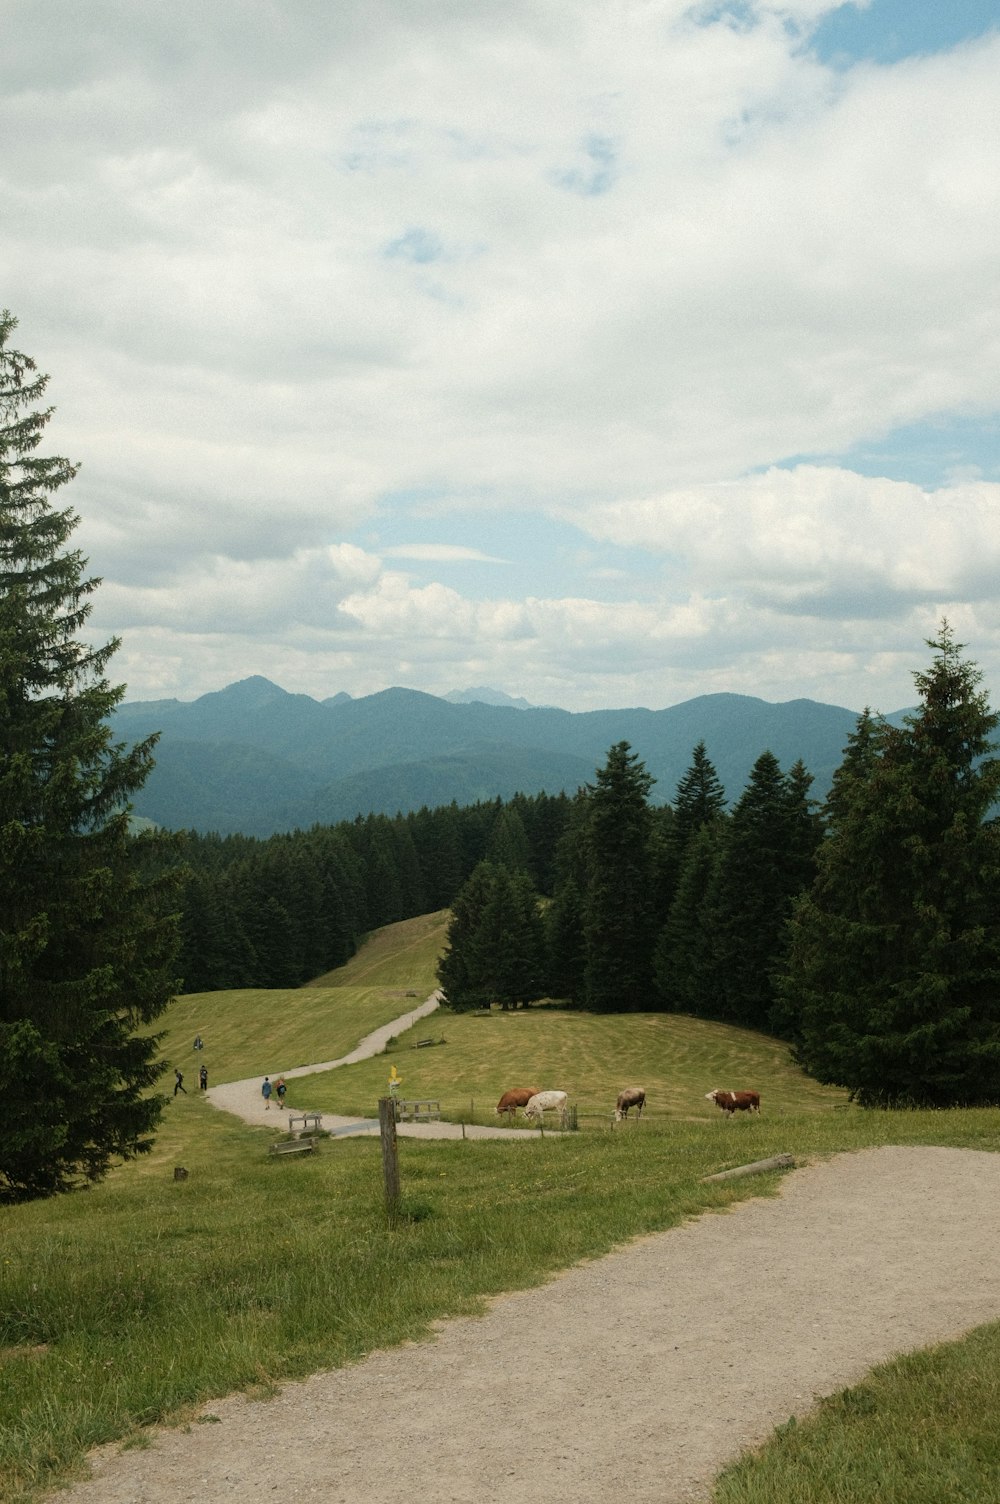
243, 1098
635, 1376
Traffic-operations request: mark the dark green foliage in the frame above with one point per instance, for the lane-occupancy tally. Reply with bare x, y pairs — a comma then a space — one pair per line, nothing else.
508, 841
565, 942
618, 906
683, 956
892, 985
88, 932
496, 944
765, 862
700, 797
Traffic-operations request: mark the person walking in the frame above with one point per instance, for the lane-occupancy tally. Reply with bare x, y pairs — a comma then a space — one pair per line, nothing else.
280, 1089
265, 1092
179, 1082
203, 1078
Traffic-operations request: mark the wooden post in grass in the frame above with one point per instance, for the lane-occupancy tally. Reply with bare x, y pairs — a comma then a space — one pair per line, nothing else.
390, 1152
778, 1162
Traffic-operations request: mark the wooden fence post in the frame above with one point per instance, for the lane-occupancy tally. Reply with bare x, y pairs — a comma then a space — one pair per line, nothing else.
390, 1152
777, 1162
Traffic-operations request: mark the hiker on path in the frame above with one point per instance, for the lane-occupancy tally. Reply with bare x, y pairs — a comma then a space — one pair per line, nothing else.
265, 1092
179, 1082
281, 1088
203, 1078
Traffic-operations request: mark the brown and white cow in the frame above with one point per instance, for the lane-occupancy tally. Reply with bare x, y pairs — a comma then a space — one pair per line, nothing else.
518, 1096
734, 1101
632, 1096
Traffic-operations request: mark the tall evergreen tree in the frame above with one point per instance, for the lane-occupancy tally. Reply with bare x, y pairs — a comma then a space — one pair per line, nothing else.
700, 797
761, 872
564, 918
88, 938
682, 958
495, 949
618, 912
892, 982
508, 842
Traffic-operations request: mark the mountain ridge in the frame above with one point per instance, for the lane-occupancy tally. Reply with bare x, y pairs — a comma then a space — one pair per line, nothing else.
253, 757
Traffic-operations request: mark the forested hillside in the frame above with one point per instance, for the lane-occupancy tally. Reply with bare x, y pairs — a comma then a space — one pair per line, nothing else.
254, 760
775, 912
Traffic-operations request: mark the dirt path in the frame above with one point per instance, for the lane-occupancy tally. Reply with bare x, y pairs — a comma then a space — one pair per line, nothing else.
637, 1376
243, 1098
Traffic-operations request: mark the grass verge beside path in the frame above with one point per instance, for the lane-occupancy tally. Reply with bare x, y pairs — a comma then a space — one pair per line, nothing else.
920, 1430
143, 1297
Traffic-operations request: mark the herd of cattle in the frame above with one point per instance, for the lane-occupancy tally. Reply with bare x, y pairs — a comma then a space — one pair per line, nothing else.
534, 1103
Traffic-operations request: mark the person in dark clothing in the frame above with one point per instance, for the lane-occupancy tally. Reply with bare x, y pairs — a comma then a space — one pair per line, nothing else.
203, 1078
179, 1083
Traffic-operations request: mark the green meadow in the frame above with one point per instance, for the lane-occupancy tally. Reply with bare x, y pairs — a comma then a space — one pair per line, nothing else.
132, 1303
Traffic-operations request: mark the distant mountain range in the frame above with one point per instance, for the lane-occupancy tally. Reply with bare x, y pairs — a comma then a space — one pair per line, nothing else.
256, 759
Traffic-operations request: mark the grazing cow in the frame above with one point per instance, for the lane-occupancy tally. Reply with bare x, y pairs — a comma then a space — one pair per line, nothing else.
518, 1096
734, 1101
547, 1101
632, 1096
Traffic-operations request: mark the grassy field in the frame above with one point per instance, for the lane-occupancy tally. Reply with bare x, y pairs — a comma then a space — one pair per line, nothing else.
134, 1302
265, 1031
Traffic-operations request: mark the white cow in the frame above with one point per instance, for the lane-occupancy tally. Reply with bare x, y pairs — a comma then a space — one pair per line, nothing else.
547, 1101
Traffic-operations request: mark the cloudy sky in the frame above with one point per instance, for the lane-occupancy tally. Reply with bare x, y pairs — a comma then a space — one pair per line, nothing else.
608, 352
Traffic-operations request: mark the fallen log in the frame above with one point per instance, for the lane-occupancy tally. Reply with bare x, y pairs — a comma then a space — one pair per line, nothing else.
779, 1162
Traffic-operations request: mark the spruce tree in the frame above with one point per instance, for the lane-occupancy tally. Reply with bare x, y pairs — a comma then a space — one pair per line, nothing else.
564, 917
618, 907
761, 871
495, 948
87, 936
700, 797
682, 957
892, 984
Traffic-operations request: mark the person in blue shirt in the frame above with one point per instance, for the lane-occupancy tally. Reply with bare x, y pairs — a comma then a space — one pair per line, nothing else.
265, 1092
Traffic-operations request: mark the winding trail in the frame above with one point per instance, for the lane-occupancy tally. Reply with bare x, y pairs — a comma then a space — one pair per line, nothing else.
243, 1098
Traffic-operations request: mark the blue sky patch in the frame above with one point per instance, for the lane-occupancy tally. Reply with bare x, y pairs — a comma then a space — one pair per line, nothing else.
888, 30
938, 452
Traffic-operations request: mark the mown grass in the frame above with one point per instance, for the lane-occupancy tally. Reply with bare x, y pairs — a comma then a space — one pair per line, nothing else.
135, 1301
259, 1030
591, 1057
920, 1430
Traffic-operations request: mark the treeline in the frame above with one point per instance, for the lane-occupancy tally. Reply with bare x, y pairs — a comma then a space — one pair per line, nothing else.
679, 907
280, 911
866, 933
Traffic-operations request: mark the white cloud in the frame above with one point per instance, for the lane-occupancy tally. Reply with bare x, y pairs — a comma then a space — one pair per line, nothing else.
817, 539
441, 553
290, 270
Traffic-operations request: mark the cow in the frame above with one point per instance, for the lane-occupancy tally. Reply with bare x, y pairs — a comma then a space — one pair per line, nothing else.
632, 1096
546, 1101
734, 1101
518, 1096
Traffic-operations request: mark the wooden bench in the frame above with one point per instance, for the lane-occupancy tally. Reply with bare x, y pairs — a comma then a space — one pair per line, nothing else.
293, 1146
418, 1112
305, 1118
